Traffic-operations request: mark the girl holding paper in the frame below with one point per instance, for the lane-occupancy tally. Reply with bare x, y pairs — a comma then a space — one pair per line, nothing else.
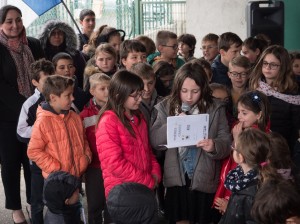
191, 173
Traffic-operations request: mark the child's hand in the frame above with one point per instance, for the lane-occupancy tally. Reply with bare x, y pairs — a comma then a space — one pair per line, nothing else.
73, 199
221, 204
237, 129
206, 144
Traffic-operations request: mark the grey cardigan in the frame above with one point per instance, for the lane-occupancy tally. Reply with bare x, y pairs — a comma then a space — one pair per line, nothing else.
207, 171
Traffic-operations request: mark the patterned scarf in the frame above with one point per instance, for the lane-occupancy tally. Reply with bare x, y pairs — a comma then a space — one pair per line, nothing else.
237, 180
22, 56
269, 91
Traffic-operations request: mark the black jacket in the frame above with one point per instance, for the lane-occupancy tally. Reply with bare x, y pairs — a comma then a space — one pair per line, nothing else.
11, 100
240, 205
219, 71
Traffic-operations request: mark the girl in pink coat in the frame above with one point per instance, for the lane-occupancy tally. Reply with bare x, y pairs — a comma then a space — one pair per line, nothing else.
122, 136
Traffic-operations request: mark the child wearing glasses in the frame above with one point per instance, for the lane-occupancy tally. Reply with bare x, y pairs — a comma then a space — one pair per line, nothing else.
122, 136
167, 46
249, 152
253, 112
209, 47
229, 45
191, 174
273, 76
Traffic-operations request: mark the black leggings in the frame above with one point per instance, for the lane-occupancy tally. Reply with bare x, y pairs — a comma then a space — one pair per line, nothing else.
12, 154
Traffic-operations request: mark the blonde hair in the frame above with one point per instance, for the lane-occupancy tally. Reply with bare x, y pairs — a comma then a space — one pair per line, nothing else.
98, 78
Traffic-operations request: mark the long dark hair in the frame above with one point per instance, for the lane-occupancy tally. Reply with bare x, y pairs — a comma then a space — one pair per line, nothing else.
193, 71
4, 10
122, 84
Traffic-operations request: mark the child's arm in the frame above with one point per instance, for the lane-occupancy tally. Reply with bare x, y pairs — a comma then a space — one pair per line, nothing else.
37, 150
24, 129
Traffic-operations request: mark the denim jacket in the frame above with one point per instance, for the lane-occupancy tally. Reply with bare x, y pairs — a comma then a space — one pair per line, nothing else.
189, 160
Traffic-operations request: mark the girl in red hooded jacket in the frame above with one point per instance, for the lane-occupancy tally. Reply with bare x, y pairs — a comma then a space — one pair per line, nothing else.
122, 136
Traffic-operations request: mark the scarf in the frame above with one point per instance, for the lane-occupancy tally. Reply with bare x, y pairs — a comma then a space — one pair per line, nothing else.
237, 180
22, 56
269, 91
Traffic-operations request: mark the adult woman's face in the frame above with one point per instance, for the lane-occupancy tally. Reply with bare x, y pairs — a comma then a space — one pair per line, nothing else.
12, 25
56, 37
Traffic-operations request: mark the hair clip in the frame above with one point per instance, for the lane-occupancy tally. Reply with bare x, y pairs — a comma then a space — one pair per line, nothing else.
255, 97
263, 164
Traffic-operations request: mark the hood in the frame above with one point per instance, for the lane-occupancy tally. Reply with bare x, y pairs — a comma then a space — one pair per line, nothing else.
71, 38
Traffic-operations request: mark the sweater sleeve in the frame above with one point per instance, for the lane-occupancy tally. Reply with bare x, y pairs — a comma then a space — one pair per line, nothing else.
37, 150
113, 162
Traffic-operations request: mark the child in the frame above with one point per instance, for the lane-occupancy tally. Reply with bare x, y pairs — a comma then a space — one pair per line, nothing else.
122, 136
39, 71
165, 74
150, 97
252, 48
209, 47
99, 85
64, 66
273, 76
148, 43
295, 61
219, 91
238, 73
131, 52
190, 184
206, 66
58, 141
253, 112
166, 44
277, 202
229, 45
250, 150
88, 22
186, 47
106, 59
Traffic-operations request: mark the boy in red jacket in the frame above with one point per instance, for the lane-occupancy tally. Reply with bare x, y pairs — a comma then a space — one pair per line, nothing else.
99, 84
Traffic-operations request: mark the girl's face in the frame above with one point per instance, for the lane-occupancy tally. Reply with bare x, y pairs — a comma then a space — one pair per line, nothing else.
100, 92
115, 41
133, 101
247, 116
270, 68
296, 67
12, 25
105, 61
184, 49
250, 54
190, 92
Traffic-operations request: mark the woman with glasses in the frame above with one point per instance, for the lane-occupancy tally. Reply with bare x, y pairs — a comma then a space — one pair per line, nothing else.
122, 136
273, 76
191, 174
17, 52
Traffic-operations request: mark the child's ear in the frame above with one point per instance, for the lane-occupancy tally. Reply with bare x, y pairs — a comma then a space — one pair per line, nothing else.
222, 52
159, 48
92, 90
257, 52
258, 116
52, 97
34, 82
124, 61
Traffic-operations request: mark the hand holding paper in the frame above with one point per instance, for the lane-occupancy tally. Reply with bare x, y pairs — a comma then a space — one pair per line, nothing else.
206, 144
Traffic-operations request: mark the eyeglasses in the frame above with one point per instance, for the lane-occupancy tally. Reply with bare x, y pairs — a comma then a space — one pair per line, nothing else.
239, 74
203, 48
272, 66
57, 32
136, 96
175, 46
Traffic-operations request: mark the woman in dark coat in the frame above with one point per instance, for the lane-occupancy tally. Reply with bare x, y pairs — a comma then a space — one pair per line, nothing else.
17, 52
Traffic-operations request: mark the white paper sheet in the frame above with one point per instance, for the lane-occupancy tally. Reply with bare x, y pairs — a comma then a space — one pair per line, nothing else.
186, 130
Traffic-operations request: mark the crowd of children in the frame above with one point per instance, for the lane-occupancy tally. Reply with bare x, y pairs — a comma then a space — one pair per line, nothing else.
99, 111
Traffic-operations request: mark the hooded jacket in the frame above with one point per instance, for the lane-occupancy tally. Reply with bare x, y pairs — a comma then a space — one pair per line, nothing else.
70, 46
58, 142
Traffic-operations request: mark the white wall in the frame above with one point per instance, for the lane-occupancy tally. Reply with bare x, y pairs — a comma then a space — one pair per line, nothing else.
215, 16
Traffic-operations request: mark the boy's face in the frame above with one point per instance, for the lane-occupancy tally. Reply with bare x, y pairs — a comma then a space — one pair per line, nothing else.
149, 86
100, 92
183, 49
133, 58
209, 50
65, 67
62, 102
88, 24
105, 62
169, 51
232, 52
238, 76
39, 84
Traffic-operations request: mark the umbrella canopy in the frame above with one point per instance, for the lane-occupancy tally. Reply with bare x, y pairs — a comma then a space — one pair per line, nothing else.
32, 9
